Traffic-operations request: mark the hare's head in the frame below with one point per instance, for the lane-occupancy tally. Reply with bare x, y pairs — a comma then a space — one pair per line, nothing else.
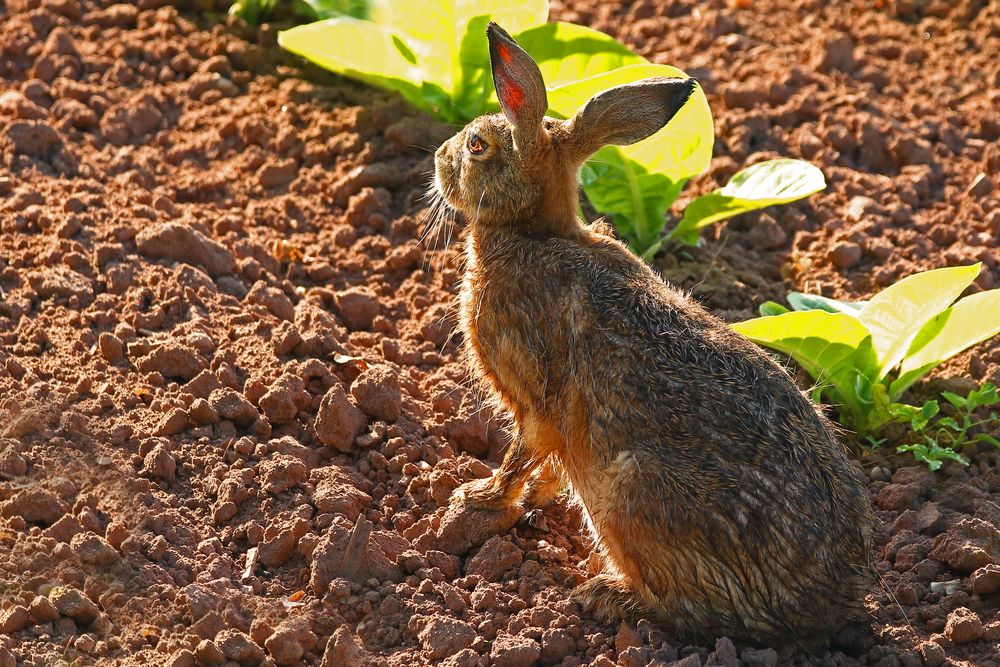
520, 167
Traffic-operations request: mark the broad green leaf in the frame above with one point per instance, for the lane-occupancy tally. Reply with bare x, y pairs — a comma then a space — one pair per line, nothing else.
413, 47
833, 348
567, 52
971, 320
801, 301
897, 314
764, 184
769, 308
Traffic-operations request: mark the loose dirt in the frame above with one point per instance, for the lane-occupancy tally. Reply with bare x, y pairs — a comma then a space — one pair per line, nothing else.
231, 406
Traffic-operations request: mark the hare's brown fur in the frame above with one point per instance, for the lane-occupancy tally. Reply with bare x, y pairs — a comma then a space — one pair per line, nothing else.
717, 493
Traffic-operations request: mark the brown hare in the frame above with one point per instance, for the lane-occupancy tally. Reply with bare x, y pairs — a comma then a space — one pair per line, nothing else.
717, 493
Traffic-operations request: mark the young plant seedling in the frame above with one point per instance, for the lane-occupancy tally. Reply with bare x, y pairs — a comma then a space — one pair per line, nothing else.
864, 356
435, 55
941, 436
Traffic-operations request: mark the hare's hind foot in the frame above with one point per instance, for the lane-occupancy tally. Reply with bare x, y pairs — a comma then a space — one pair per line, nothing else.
545, 485
609, 598
505, 487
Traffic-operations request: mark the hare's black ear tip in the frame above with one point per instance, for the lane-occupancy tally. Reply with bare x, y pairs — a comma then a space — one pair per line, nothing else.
494, 31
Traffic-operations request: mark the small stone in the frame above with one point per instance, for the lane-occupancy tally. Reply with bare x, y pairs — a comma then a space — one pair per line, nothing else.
845, 254
172, 240
208, 654
985, 580
963, 626
277, 550
626, 638
182, 658
273, 299
724, 654
112, 348
443, 637
357, 307
755, 657
94, 549
495, 557
42, 610
71, 602
202, 413
338, 421
514, 651
174, 422
35, 505
277, 172
13, 620
232, 406
238, 646
377, 392
173, 360
557, 643
344, 650
933, 654
160, 463
282, 472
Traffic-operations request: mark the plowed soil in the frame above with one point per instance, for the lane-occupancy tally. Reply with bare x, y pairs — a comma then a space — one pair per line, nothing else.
231, 405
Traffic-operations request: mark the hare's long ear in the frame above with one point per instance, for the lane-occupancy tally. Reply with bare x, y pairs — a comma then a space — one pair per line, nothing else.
519, 86
627, 114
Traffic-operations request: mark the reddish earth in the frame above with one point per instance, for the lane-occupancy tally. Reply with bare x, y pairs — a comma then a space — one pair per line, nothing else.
231, 406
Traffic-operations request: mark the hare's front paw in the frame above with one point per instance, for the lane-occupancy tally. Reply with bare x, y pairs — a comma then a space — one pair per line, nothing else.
483, 494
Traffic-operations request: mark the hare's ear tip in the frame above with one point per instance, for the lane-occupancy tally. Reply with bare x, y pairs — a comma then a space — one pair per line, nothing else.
494, 31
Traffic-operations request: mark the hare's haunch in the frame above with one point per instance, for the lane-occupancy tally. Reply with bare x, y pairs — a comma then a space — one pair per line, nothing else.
718, 495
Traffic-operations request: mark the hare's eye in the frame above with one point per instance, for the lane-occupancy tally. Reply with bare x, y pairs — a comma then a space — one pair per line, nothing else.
475, 144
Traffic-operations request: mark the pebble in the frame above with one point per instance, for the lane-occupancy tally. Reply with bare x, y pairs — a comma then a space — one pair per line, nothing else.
31, 137
963, 626
357, 307
495, 557
443, 637
73, 603
344, 650
111, 347
514, 651
377, 392
173, 360
35, 505
985, 580
273, 299
42, 610
14, 619
845, 254
173, 240
159, 462
94, 549
236, 645
338, 421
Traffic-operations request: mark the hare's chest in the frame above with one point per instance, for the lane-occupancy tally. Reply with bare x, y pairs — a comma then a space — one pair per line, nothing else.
499, 347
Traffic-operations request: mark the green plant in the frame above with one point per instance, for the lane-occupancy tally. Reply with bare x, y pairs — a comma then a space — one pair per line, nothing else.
864, 356
941, 436
435, 55
258, 11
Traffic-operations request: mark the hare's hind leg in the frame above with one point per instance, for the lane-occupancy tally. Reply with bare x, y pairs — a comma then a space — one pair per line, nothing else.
505, 487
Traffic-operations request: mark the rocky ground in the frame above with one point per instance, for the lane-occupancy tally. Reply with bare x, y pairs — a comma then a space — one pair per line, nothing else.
231, 406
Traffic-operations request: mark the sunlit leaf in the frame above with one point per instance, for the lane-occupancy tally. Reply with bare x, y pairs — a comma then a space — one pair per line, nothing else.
764, 184
970, 321
897, 314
